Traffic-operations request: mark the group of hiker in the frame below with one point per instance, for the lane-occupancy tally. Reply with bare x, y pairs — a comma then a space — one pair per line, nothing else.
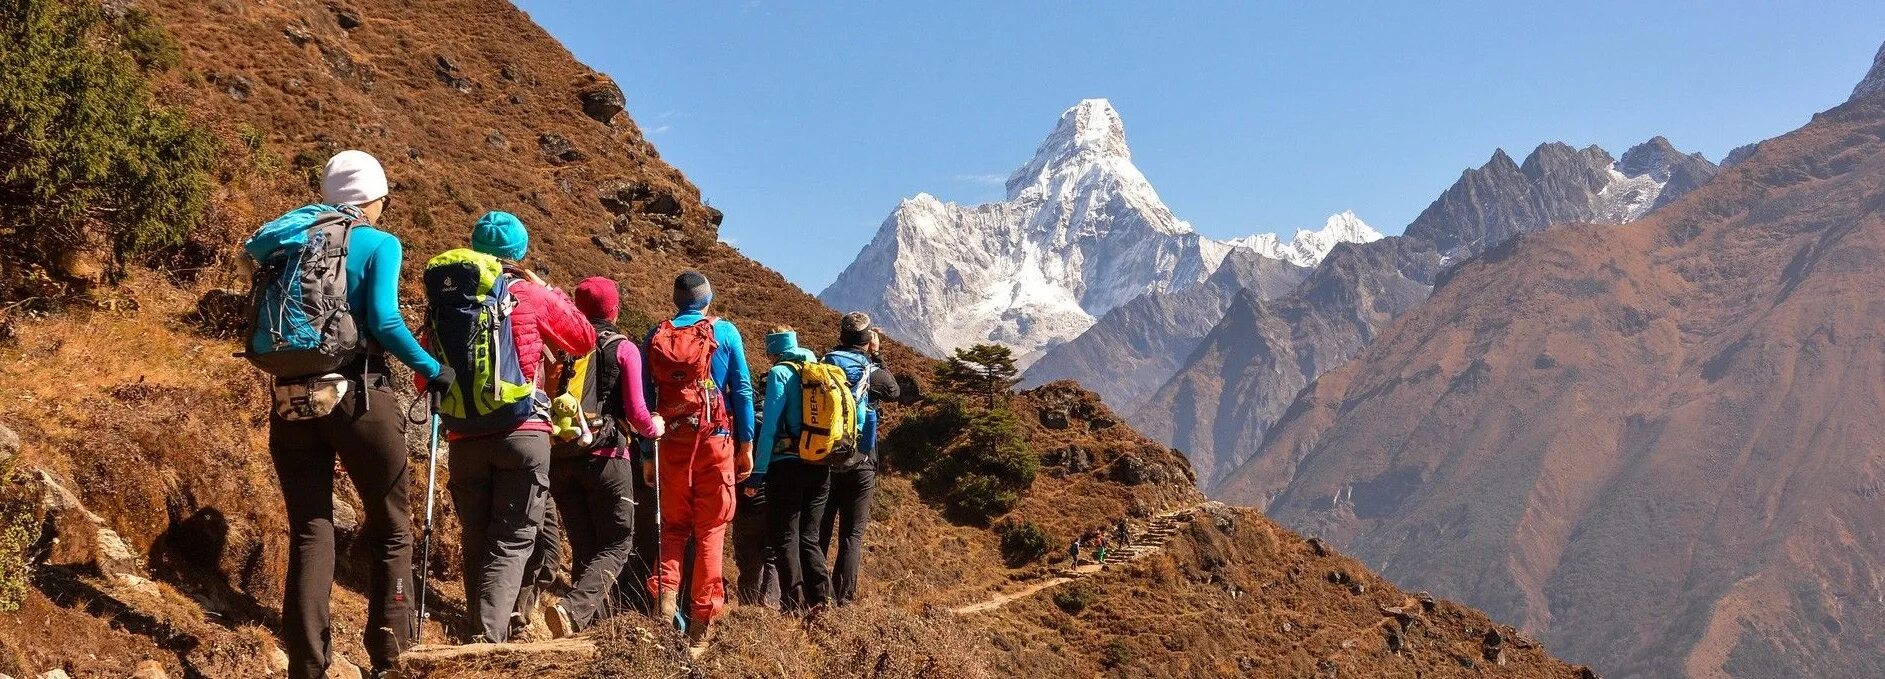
555, 422
1098, 544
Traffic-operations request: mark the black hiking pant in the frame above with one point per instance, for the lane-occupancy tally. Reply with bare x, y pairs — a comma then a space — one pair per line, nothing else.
500, 486
596, 498
795, 503
371, 445
845, 516
758, 562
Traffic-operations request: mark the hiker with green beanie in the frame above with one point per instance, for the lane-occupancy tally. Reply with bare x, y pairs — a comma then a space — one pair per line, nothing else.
349, 411
500, 476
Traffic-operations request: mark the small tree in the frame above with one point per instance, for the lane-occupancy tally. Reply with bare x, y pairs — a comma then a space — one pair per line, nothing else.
985, 370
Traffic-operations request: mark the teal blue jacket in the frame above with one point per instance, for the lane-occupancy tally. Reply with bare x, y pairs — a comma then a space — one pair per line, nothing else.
782, 415
373, 261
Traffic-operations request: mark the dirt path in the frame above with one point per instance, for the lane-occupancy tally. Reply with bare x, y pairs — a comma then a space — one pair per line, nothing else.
1148, 540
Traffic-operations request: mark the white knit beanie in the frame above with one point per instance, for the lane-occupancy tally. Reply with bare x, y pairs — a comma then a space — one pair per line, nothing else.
352, 178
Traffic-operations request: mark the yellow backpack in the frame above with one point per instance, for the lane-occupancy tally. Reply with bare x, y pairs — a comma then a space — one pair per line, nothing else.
828, 423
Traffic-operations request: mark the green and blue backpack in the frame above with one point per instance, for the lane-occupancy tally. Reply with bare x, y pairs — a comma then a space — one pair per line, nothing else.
468, 327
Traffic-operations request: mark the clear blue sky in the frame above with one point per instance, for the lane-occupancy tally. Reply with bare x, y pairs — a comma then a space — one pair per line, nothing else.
806, 121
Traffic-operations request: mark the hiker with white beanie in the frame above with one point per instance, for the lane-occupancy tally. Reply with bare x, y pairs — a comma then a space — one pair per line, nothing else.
349, 412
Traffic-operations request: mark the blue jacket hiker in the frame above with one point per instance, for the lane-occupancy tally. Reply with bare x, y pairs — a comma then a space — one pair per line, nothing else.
795, 490
363, 427
779, 424
695, 366
854, 483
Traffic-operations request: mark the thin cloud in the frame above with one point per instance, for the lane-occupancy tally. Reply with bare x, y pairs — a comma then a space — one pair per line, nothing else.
985, 179
661, 129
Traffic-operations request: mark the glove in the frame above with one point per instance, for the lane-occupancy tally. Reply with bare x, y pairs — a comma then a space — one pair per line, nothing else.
438, 385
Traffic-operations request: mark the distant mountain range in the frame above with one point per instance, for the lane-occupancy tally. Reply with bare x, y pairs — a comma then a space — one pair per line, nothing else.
1080, 233
1656, 446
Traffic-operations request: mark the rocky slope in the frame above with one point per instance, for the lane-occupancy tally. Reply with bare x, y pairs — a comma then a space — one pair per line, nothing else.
1653, 446
1080, 232
1245, 372
141, 528
1141, 343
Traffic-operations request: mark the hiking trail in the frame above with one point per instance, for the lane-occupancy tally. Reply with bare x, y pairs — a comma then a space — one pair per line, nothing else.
1148, 540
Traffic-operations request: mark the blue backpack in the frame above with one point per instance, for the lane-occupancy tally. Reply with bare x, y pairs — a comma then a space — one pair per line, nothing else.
299, 322
468, 327
857, 370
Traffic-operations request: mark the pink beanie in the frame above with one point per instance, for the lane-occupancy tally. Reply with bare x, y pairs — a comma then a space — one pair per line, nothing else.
596, 297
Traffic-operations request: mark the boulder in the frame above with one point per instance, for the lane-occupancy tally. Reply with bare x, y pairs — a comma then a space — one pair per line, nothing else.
663, 204
1054, 418
9, 446
619, 196
447, 71
558, 149
715, 216
601, 99
347, 17
346, 518
150, 669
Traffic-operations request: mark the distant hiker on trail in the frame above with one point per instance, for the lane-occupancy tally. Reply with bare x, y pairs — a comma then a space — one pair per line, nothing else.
1122, 534
332, 398
796, 490
495, 322
758, 562
697, 373
592, 475
848, 510
1073, 552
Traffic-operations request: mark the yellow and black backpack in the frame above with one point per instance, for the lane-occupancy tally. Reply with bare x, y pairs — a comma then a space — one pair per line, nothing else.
828, 421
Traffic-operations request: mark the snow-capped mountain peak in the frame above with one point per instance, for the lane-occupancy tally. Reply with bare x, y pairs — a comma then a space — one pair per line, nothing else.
1307, 247
1080, 232
1087, 134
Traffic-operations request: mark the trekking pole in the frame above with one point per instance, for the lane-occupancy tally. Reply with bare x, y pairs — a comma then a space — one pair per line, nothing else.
425, 536
661, 585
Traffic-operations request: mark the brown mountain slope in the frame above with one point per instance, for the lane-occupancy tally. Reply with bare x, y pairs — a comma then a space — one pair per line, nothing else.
1218, 401
140, 522
1656, 445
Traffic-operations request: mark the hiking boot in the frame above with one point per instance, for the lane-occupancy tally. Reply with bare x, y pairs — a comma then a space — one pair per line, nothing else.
668, 607
698, 636
561, 625
520, 625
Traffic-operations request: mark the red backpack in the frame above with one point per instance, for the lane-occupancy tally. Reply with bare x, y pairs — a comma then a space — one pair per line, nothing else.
680, 361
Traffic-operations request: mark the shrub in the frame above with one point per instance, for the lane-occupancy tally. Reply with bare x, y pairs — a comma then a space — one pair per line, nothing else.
16, 537
977, 498
1116, 654
87, 160
973, 459
1022, 543
923, 438
1074, 598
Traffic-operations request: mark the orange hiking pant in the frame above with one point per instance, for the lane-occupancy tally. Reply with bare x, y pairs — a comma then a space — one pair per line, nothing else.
696, 474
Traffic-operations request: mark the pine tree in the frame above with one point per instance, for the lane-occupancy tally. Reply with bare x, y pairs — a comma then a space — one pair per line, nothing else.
985, 370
